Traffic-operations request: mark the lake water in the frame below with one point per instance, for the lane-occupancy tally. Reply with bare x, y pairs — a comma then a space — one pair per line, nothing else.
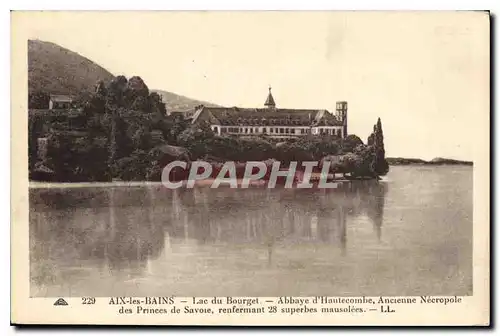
408, 235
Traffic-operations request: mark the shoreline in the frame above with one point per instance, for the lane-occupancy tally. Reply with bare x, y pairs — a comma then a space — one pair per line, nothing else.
399, 161
199, 183
431, 164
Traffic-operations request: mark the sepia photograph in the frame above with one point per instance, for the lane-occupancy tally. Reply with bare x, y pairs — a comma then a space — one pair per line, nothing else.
254, 154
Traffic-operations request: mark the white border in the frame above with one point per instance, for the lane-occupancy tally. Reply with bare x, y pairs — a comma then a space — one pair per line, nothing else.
493, 5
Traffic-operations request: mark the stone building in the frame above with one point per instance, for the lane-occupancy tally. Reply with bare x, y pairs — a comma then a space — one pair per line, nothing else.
60, 102
280, 123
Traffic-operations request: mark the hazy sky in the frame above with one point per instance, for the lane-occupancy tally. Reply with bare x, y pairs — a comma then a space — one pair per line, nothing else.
426, 75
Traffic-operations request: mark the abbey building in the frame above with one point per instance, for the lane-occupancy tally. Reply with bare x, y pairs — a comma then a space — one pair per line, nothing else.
272, 121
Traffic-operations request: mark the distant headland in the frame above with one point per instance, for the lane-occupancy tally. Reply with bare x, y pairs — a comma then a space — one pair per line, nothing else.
399, 161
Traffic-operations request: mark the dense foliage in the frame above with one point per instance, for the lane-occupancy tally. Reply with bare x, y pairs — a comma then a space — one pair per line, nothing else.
110, 136
122, 131
360, 160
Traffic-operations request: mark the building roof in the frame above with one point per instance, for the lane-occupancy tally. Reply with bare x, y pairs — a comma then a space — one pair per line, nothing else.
266, 116
270, 100
269, 116
61, 98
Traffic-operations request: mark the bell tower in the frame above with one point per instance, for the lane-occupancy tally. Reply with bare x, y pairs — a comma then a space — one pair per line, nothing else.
270, 103
341, 111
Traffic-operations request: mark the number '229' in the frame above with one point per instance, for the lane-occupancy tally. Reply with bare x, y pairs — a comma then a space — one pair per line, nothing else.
88, 300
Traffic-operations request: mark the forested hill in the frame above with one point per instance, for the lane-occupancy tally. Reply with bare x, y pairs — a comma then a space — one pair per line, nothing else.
56, 70
53, 69
176, 102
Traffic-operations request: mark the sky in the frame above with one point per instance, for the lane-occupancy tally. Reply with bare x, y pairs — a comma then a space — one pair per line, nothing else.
426, 75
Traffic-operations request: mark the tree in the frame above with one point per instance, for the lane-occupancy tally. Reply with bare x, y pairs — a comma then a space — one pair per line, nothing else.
136, 88
349, 162
93, 103
38, 100
380, 165
319, 146
224, 148
133, 167
197, 140
157, 106
35, 129
371, 138
116, 92
113, 129
171, 128
253, 148
292, 151
363, 166
350, 143
142, 138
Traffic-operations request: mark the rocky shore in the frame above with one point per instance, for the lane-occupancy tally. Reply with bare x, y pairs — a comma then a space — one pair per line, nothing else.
398, 161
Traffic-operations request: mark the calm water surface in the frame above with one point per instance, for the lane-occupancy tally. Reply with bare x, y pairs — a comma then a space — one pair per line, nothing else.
409, 235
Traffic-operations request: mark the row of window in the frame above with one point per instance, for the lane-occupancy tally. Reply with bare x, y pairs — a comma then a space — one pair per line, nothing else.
330, 131
265, 121
275, 130
265, 130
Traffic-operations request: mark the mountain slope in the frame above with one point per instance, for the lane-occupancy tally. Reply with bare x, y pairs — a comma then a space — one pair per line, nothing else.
57, 70
177, 102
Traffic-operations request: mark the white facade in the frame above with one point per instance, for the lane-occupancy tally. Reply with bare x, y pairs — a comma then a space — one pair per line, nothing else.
278, 131
59, 102
274, 122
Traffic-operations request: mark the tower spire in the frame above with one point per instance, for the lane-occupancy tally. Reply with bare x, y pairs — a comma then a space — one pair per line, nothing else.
270, 103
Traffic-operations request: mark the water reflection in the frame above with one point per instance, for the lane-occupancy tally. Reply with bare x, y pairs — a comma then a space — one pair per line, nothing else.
117, 229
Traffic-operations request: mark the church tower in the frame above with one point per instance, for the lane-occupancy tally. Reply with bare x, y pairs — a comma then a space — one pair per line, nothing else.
341, 110
270, 104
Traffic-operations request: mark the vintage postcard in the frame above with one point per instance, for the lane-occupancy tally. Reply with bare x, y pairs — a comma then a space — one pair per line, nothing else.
251, 168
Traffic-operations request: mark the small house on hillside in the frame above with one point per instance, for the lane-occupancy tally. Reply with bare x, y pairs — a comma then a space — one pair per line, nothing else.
60, 102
